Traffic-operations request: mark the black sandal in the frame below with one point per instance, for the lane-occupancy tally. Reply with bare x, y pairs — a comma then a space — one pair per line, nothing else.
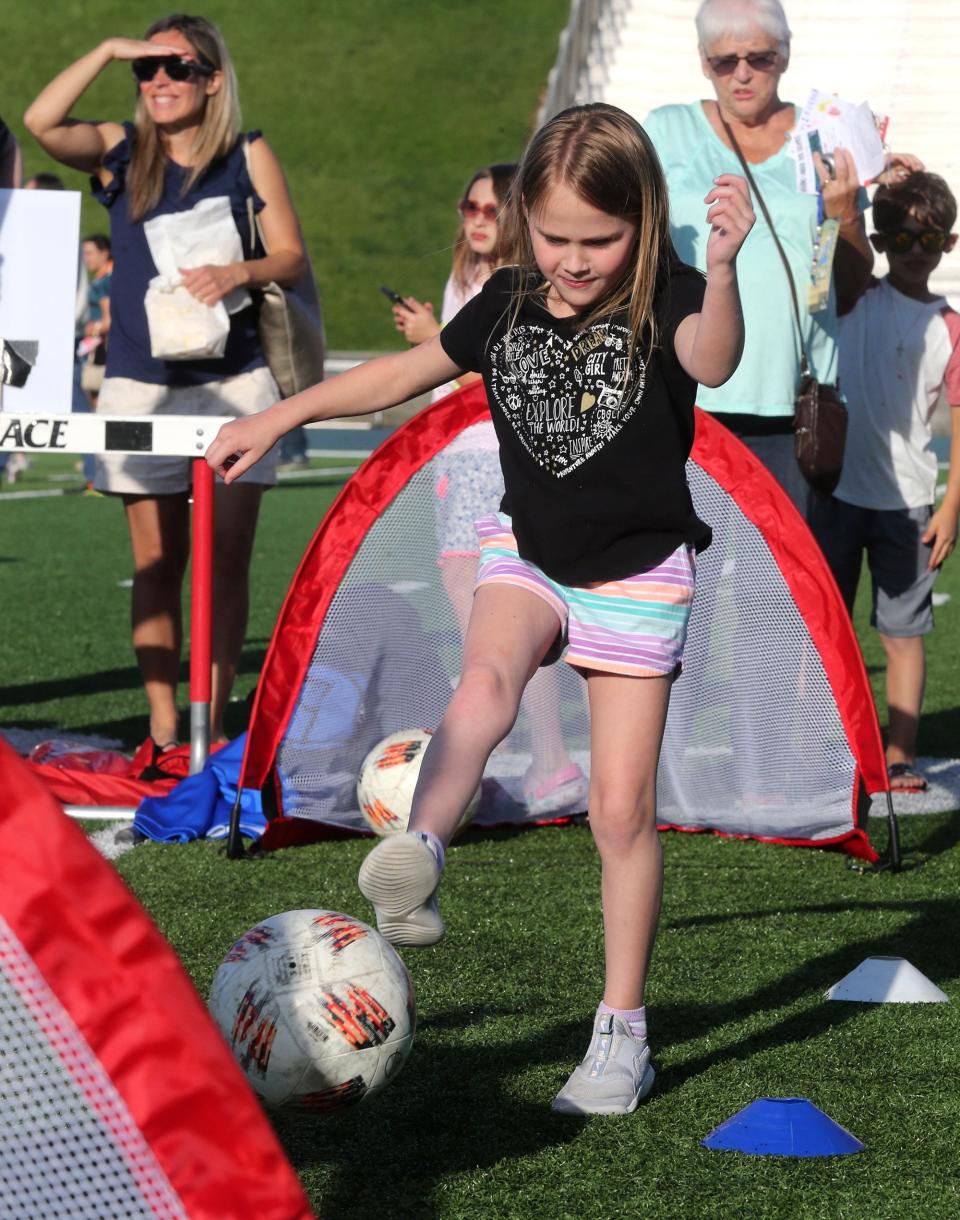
905, 771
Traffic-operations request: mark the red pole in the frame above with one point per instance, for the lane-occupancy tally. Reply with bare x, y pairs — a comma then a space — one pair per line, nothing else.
201, 614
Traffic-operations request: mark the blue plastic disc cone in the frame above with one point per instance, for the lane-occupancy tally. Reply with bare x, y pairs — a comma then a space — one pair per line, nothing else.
782, 1126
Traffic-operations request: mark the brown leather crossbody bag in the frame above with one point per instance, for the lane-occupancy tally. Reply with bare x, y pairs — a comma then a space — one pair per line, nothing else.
820, 414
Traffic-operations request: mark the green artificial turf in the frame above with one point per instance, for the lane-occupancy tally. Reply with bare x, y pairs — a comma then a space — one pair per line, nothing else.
65, 658
379, 112
751, 938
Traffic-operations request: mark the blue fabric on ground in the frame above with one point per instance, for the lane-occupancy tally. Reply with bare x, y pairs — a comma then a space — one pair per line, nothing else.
199, 806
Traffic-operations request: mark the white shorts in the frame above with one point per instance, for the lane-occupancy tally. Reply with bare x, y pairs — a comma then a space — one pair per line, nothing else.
143, 474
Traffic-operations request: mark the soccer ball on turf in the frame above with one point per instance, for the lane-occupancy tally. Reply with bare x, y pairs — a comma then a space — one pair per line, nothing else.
318, 1010
388, 777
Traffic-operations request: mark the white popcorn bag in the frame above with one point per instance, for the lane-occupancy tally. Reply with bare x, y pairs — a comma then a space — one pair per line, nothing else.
181, 327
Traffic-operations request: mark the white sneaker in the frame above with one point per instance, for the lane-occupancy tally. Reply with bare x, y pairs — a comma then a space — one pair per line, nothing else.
614, 1075
400, 878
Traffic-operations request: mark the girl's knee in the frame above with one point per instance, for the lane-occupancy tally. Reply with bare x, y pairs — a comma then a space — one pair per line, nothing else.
483, 696
619, 819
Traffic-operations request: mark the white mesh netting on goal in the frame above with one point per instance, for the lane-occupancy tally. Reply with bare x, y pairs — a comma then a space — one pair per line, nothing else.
68, 1146
755, 745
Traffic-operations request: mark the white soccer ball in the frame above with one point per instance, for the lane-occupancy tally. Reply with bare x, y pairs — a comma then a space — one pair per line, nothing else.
388, 778
318, 1009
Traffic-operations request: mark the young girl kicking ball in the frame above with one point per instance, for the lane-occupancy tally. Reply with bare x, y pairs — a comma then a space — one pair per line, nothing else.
590, 349
470, 482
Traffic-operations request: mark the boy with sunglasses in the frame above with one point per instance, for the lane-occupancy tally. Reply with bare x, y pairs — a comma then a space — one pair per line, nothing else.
899, 348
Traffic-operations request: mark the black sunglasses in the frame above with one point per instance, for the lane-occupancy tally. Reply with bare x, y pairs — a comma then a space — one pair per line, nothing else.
758, 61
176, 67
901, 241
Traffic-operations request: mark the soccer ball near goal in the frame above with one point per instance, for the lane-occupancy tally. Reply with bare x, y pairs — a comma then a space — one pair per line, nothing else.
388, 777
318, 1010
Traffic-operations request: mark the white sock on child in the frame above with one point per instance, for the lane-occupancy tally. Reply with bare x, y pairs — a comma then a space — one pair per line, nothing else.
635, 1019
431, 840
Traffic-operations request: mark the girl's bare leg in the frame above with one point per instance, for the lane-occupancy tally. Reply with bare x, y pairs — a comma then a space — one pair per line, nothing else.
627, 718
509, 632
547, 747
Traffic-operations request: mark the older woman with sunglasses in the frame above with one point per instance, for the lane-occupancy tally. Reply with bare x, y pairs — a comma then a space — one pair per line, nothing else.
744, 49
182, 159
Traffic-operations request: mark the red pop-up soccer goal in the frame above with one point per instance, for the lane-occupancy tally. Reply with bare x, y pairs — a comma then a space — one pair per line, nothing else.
118, 1096
772, 732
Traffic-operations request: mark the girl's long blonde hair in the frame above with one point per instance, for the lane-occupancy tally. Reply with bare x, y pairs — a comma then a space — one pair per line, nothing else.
604, 156
218, 129
465, 262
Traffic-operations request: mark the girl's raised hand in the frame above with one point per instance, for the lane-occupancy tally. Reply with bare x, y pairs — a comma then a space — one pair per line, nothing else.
731, 218
414, 321
241, 443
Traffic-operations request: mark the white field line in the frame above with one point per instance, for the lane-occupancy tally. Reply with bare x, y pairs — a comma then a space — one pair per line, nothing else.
290, 475
34, 495
283, 475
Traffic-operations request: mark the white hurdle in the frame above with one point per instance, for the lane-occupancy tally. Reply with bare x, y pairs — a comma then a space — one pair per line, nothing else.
167, 436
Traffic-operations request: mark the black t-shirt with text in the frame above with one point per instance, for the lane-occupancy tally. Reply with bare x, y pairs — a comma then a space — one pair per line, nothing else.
594, 467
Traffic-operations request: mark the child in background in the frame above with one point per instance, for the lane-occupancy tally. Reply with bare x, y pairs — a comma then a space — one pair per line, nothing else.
591, 350
898, 350
98, 261
470, 483
481, 245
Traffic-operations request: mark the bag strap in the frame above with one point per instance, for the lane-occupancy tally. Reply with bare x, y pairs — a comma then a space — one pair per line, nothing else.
306, 286
255, 227
804, 362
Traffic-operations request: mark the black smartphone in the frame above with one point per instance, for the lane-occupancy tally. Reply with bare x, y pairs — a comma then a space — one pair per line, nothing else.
394, 296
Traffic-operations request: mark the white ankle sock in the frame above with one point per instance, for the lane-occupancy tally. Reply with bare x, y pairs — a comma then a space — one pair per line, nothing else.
433, 842
635, 1019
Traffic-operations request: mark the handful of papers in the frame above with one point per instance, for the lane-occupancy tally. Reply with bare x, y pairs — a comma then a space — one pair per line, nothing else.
826, 123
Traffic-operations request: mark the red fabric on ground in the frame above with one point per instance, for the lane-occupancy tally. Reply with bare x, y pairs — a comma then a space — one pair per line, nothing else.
77, 785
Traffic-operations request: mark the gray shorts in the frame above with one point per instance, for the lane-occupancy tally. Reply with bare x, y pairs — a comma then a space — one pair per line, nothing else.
902, 582
150, 474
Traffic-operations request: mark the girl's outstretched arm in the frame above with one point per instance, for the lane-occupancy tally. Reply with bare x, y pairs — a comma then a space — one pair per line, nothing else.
369, 387
709, 344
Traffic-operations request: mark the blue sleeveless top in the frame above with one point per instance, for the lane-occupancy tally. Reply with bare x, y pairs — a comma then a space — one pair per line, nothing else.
133, 268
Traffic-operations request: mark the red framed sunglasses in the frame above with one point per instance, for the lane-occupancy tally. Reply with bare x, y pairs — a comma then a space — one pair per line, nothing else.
470, 210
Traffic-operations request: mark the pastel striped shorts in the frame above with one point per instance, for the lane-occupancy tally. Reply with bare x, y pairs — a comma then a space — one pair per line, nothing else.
636, 626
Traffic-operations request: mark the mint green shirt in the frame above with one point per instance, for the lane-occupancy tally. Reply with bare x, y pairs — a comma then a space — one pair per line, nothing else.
766, 380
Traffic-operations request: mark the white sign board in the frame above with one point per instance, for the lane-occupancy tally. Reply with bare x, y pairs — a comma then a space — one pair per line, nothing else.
39, 243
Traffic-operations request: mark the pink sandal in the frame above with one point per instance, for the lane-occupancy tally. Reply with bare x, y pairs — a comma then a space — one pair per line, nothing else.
565, 789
